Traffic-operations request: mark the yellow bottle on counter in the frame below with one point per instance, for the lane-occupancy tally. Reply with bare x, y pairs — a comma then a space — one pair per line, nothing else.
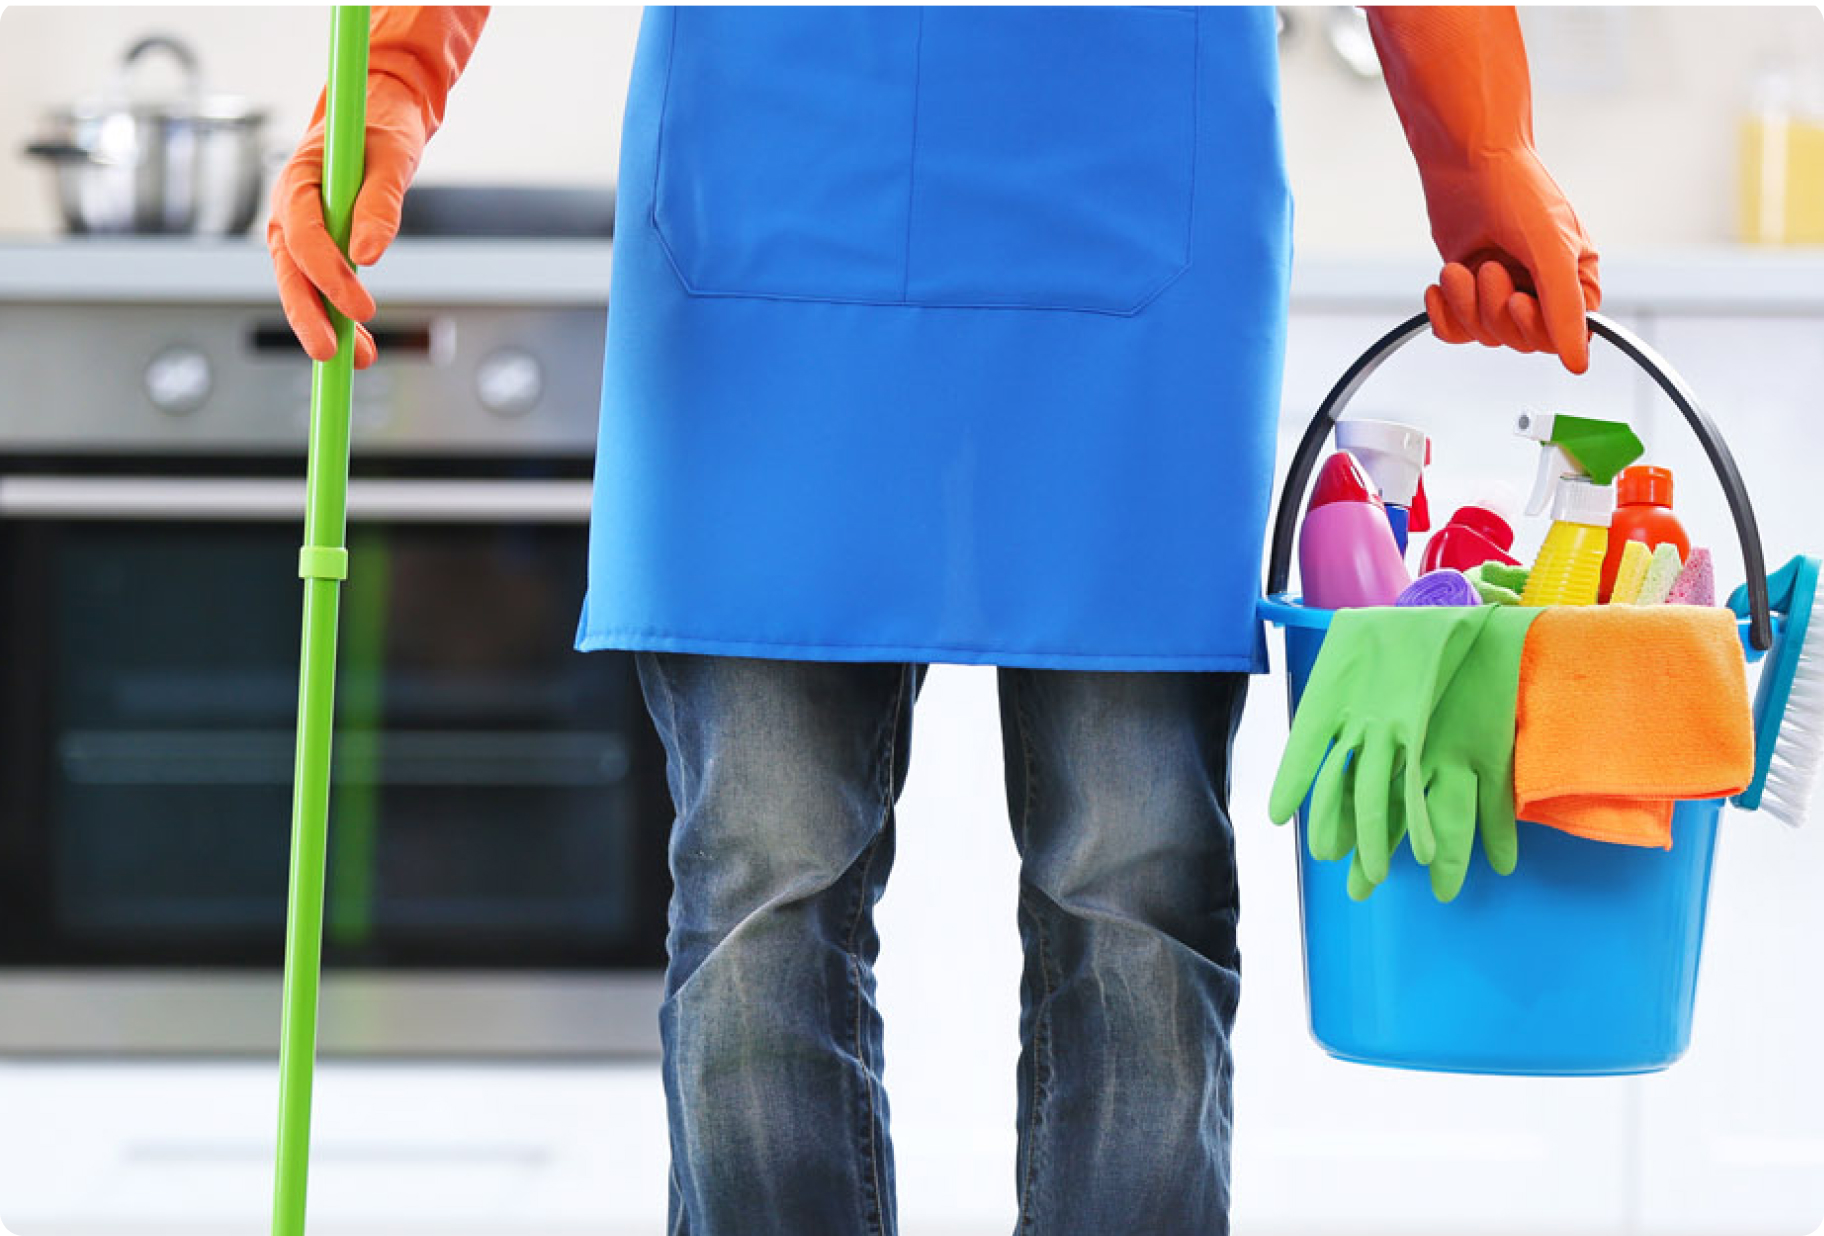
1782, 180
1568, 570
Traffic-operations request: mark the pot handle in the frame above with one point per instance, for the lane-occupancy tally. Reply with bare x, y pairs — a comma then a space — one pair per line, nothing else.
171, 45
57, 151
1304, 459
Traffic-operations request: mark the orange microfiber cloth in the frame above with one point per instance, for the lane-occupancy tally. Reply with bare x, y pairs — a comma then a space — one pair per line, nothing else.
1622, 710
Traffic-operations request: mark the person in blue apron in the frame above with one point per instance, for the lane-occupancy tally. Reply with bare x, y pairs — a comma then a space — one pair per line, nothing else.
955, 335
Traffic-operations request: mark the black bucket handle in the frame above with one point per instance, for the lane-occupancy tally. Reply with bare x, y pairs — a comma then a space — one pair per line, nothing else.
1292, 494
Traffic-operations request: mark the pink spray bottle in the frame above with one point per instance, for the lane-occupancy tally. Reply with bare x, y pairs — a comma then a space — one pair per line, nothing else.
1347, 555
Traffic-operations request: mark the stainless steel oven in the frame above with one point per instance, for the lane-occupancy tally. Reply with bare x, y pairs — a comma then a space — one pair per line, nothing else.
496, 868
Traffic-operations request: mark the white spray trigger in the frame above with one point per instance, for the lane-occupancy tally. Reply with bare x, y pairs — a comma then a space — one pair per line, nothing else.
1554, 466
1553, 462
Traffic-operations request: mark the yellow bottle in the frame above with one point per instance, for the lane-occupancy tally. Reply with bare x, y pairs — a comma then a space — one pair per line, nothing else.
1782, 158
1568, 570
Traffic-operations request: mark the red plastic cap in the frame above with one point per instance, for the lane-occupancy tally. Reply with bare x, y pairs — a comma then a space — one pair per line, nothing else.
1485, 521
1645, 483
1342, 479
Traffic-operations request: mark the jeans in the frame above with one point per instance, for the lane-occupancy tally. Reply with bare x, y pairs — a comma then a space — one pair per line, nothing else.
784, 775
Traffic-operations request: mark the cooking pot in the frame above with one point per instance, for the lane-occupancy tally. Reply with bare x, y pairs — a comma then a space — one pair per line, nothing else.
191, 165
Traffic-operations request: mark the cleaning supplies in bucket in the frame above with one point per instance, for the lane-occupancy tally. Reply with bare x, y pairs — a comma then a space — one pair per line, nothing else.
1443, 723
1347, 555
1623, 710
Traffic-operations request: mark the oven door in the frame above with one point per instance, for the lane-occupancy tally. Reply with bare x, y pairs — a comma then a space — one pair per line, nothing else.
496, 877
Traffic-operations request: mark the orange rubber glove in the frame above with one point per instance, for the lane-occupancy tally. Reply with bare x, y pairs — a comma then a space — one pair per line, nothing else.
415, 56
1519, 270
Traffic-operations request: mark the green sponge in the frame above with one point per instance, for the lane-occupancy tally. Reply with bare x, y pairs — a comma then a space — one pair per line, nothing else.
1661, 573
1497, 583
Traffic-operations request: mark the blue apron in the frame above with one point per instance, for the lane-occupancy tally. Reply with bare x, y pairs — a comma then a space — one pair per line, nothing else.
946, 334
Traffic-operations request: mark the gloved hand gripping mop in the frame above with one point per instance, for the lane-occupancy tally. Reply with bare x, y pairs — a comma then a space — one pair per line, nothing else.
323, 564
415, 55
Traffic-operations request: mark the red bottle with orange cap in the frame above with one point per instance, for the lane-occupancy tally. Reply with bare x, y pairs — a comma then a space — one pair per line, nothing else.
1643, 512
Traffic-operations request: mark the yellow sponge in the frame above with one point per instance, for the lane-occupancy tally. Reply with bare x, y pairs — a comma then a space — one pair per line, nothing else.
1628, 576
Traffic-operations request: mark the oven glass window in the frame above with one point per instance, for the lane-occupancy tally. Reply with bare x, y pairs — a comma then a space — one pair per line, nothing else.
498, 799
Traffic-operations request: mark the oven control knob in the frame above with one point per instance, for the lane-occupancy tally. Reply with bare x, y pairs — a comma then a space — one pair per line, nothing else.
509, 381
178, 380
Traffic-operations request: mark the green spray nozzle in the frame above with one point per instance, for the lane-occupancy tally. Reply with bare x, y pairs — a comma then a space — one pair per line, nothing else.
1580, 446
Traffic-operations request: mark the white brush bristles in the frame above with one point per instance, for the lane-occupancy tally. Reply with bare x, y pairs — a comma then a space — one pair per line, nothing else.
1792, 772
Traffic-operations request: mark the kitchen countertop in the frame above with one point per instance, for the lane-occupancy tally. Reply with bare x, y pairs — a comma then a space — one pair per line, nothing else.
168, 269
1720, 279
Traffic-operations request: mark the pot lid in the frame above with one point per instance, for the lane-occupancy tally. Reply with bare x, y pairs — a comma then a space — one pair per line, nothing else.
191, 102
213, 109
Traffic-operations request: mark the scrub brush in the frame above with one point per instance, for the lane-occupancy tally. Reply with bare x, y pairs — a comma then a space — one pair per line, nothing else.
1789, 703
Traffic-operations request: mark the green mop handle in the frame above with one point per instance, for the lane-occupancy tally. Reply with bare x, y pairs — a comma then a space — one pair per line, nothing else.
322, 564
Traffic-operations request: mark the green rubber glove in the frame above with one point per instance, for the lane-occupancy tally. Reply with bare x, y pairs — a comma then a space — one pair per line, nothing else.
1360, 886
1467, 763
1362, 717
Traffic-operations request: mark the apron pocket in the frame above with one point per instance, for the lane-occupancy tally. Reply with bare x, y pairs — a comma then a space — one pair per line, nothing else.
783, 166
1053, 158
1034, 158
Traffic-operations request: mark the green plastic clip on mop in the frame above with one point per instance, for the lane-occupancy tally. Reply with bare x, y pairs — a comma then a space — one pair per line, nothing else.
323, 565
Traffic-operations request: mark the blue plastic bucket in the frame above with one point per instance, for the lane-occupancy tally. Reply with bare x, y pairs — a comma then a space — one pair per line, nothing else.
1582, 962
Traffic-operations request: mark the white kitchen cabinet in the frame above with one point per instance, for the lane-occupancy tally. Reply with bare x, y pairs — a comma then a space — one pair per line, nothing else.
106, 1147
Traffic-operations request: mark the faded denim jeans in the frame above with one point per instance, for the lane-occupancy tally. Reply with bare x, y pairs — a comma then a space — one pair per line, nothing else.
784, 775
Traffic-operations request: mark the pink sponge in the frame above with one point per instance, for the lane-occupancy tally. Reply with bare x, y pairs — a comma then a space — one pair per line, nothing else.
1696, 584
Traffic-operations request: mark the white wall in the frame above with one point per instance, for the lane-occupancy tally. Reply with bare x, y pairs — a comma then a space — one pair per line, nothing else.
1636, 107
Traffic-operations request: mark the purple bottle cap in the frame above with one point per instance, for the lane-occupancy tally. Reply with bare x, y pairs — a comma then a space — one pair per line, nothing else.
1441, 587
